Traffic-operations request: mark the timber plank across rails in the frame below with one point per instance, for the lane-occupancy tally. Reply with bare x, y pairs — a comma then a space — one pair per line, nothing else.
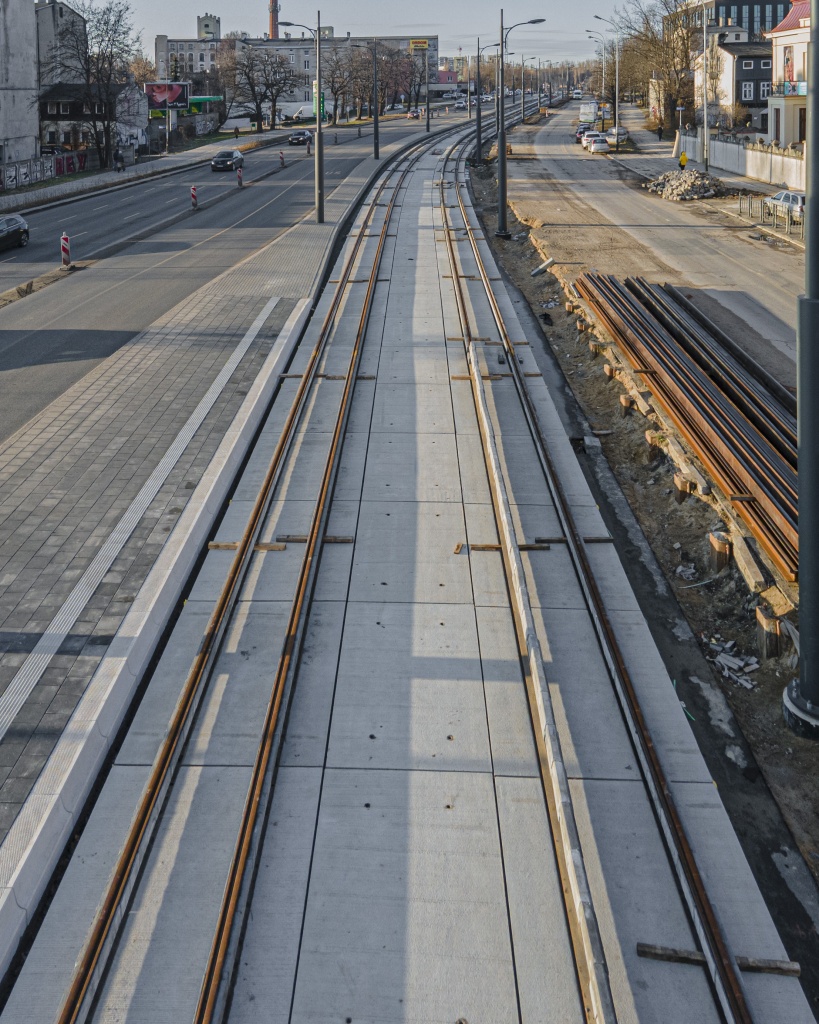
748, 448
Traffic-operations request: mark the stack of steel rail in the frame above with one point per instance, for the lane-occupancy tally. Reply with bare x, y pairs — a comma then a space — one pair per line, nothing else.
739, 422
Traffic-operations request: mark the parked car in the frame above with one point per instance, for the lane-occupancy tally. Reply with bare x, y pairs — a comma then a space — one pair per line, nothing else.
13, 231
588, 136
581, 130
53, 150
300, 137
782, 201
599, 144
615, 134
227, 160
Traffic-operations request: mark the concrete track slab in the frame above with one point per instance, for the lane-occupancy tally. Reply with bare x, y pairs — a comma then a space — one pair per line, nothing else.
416, 900
409, 693
635, 897
406, 552
268, 967
410, 408
412, 467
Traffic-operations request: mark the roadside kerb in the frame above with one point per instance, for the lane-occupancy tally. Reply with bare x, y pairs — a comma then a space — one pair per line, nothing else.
35, 842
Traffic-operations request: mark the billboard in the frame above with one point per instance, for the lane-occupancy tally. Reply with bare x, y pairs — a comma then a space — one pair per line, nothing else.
167, 95
419, 44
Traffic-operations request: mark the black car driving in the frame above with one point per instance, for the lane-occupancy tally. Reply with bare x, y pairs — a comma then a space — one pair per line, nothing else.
300, 137
227, 160
13, 231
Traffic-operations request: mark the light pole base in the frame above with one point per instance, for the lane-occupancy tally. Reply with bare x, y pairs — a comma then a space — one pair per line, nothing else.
503, 234
800, 716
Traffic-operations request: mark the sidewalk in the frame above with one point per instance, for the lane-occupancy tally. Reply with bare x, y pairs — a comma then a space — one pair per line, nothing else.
654, 157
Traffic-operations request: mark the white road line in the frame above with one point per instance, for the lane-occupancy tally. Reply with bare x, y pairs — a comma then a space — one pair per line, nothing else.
30, 672
132, 216
103, 207
11, 259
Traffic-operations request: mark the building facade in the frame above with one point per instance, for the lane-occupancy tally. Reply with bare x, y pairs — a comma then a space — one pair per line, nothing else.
756, 18
739, 80
19, 127
787, 107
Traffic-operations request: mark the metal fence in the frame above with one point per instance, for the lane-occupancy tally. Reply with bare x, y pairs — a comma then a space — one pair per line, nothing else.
755, 208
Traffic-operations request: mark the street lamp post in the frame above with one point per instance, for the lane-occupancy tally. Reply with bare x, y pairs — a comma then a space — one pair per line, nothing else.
523, 88
598, 36
478, 96
503, 230
705, 87
616, 81
800, 701
426, 83
319, 157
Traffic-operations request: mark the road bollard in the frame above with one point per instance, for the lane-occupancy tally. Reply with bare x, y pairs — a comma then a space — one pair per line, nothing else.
308, 147
65, 250
194, 200
239, 181
335, 138
359, 131
281, 157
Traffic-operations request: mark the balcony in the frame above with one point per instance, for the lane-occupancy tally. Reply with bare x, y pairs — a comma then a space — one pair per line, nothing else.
789, 89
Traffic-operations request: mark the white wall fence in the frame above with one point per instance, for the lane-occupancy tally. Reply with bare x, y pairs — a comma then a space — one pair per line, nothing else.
757, 160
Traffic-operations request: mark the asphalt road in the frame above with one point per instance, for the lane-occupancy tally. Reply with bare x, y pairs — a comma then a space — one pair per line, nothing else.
757, 283
53, 337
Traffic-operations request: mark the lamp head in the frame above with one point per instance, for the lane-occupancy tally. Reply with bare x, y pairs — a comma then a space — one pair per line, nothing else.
535, 21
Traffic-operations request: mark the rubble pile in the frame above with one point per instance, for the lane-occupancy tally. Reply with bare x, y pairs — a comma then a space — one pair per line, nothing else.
681, 185
732, 665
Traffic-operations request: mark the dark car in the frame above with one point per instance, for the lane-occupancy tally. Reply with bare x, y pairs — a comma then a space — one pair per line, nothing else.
13, 231
227, 160
582, 128
300, 137
53, 150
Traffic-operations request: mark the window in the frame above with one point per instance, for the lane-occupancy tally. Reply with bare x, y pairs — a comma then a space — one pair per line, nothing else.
64, 108
66, 138
172, 47
747, 64
52, 108
780, 13
293, 61
747, 92
764, 90
766, 64
51, 138
201, 58
734, 15
190, 46
98, 108
307, 65
213, 58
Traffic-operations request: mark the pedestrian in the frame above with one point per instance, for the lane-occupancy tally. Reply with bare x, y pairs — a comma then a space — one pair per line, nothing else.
236, 131
683, 160
119, 163
659, 133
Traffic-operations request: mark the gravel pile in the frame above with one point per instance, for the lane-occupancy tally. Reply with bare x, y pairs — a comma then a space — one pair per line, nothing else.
681, 185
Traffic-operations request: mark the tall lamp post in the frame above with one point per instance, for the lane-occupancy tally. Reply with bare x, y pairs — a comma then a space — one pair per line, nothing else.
478, 94
503, 230
616, 80
598, 37
319, 159
374, 46
523, 87
800, 701
705, 85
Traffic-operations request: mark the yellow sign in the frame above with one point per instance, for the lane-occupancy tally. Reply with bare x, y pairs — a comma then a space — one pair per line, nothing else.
419, 44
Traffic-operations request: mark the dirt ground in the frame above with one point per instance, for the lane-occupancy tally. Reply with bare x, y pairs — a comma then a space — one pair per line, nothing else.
720, 608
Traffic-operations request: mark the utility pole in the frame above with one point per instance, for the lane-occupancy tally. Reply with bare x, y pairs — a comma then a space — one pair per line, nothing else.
800, 701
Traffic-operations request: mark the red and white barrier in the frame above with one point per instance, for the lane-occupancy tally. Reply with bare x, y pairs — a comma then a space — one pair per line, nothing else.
65, 250
239, 181
281, 157
194, 200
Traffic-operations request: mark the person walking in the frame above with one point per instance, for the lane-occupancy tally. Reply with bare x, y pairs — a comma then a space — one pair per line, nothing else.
119, 163
683, 160
659, 132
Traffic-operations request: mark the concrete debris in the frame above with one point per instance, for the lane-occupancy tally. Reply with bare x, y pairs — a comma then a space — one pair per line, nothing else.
686, 571
732, 665
689, 184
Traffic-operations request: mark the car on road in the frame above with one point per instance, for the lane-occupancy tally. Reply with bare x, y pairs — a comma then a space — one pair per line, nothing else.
13, 231
617, 134
460, 104
599, 144
300, 137
582, 128
786, 200
415, 113
588, 136
227, 160
577, 94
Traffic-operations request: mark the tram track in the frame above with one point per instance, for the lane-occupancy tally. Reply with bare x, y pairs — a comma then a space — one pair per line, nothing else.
592, 973
354, 297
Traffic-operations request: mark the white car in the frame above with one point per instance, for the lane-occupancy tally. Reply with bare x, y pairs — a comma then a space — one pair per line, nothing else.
617, 134
589, 136
599, 145
787, 200
460, 105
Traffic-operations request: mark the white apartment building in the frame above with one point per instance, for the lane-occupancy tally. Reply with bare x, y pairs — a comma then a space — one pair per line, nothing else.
19, 121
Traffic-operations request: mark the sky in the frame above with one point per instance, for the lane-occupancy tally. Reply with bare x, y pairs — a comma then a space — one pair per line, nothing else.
456, 22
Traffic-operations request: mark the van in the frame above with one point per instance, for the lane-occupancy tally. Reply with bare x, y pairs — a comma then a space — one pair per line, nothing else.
577, 94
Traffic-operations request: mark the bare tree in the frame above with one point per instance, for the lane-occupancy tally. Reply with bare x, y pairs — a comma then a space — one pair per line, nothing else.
95, 53
336, 74
143, 70
262, 76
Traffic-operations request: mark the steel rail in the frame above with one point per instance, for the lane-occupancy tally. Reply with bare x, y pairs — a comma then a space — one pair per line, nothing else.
753, 399
89, 964
721, 964
589, 957
292, 642
746, 467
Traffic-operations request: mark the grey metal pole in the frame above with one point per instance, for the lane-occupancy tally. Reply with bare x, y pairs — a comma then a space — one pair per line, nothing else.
522, 90
800, 701
704, 88
319, 135
375, 100
478, 139
503, 230
426, 82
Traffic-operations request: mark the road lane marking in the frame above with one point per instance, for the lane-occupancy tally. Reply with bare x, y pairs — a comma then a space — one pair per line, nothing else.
103, 207
132, 216
32, 669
